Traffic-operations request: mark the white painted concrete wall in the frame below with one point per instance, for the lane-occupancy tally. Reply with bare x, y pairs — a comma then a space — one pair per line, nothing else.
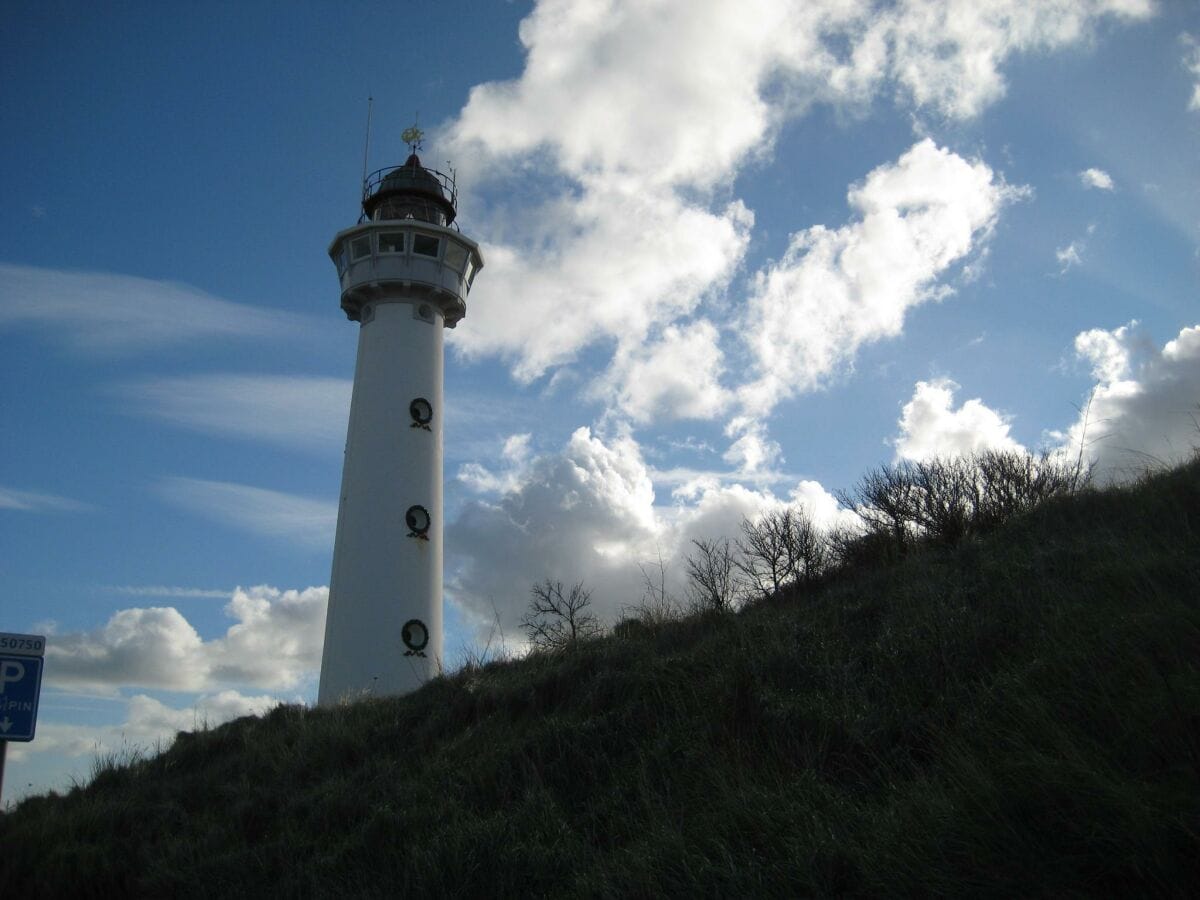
381, 576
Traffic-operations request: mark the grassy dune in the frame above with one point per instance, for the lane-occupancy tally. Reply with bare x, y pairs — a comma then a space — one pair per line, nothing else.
1018, 716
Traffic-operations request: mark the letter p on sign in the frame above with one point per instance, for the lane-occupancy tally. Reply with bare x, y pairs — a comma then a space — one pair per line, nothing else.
10, 671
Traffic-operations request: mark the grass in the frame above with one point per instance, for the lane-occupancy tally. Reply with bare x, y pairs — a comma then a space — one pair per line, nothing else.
1018, 716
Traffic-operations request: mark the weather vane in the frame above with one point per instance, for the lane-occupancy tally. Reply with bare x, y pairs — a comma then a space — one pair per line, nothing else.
412, 136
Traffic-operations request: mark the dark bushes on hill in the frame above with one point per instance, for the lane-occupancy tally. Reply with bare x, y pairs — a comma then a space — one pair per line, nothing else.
946, 500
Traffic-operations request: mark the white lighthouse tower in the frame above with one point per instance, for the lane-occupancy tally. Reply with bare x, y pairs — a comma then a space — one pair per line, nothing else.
405, 270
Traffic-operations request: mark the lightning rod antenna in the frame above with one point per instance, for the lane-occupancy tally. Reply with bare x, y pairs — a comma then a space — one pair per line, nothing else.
367, 143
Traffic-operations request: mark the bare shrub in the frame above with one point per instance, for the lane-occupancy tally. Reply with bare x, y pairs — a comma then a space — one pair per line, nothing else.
809, 547
713, 582
884, 501
557, 621
657, 605
782, 547
1013, 483
946, 500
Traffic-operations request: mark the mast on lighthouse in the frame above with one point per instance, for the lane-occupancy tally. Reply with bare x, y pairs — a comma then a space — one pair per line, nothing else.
405, 271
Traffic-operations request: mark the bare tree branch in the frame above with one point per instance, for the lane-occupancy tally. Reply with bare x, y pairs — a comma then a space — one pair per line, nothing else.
782, 547
713, 582
556, 620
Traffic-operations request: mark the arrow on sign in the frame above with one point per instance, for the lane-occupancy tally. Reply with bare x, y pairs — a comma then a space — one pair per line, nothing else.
5, 724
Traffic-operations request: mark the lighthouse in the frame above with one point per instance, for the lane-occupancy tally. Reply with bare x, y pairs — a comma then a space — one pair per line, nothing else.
405, 270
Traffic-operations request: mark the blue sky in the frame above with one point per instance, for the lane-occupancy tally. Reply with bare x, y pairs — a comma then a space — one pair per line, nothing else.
736, 254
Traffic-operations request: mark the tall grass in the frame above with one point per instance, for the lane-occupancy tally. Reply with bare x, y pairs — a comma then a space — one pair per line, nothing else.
1013, 716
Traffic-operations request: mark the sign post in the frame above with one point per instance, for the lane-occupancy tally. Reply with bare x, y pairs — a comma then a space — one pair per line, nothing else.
20, 687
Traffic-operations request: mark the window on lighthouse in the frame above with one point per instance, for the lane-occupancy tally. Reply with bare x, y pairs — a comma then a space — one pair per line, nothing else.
391, 242
425, 245
456, 256
360, 247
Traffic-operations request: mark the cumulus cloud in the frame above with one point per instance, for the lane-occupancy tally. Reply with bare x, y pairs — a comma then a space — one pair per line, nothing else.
581, 514
1109, 352
274, 643
36, 501
614, 264
948, 55
604, 76
616, 149
154, 647
515, 455
589, 512
109, 313
627, 87
1096, 178
260, 511
1144, 408
292, 411
836, 289
676, 377
751, 451
930, 425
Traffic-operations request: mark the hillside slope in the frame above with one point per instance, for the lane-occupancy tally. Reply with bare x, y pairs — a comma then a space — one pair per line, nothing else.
1020, 716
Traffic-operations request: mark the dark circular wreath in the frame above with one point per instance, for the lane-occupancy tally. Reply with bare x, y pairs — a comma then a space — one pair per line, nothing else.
417, 519
415, 635
421, 411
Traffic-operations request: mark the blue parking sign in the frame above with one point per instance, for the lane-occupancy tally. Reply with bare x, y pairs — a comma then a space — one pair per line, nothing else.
20, 685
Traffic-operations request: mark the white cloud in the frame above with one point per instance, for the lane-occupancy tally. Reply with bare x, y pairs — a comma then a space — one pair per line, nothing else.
154, 647
1109, 352
676, 377
36, 501
930, 425
605, 76
108, 313
1069, 255
1145, 405
274, 643
615, 263
821, 506
836, 289
948, 54
257, 510
515, 454
751, 451
1191, 62
581, 514
629, 87
1096, 178
616, 148
589, 513
277, 640
292, 411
